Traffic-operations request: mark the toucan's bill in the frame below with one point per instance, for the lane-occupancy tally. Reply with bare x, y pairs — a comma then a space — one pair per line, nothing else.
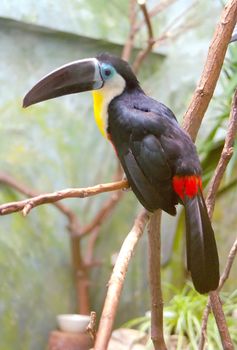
77, 76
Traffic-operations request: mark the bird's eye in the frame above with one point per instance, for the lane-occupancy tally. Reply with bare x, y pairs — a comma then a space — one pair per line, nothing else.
107, 72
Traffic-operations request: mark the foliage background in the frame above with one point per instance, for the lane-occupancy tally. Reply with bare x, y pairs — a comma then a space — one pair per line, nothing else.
56, 145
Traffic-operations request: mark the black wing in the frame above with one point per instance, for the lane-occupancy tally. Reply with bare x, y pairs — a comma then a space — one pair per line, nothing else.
137, 135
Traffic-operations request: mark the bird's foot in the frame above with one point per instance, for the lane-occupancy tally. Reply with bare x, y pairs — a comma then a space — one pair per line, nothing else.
125, 189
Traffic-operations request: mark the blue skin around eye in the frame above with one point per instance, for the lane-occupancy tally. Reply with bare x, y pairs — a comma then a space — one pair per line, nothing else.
105, 68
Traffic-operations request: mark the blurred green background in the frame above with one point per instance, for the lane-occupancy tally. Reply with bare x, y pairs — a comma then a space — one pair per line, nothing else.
56, 145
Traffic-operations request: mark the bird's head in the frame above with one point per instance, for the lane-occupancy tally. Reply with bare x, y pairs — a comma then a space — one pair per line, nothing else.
104, 72
106, 75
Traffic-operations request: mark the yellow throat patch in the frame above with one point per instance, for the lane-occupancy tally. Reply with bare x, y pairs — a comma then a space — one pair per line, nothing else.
100, 118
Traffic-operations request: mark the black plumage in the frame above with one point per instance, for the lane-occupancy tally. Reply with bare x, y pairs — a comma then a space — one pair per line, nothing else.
153, 149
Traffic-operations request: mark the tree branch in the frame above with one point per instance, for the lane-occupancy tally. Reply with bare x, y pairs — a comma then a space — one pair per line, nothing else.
173, 30
102, 214
156, 10
195, 113
215, 302
216, 54
80, 269
27, 204
219, 315
127, 49
223, 278
155, 282
16, 185
143, 53
210, 201
116, 282
230, 260
225, 157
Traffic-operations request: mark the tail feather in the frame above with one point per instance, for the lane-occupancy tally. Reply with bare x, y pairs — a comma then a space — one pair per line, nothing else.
202, 256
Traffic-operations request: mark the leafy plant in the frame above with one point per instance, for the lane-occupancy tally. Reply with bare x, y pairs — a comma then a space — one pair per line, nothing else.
182, 320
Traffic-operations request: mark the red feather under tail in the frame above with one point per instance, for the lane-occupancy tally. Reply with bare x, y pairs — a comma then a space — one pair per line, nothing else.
202, 256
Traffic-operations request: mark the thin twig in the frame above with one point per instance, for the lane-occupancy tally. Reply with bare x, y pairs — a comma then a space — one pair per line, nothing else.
156, 10
147, 20
226, 155
91, 328
27, 204
127, 49
143, 53
155, 282
205, 315
173, 30
104, 212
107, 207
117, 280
90, 248
230, 260
166, 34
21, 188
216, 54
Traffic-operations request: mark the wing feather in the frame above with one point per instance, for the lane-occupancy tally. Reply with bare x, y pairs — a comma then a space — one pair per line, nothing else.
143, 159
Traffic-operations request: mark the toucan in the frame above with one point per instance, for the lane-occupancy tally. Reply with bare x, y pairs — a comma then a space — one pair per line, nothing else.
158, 157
